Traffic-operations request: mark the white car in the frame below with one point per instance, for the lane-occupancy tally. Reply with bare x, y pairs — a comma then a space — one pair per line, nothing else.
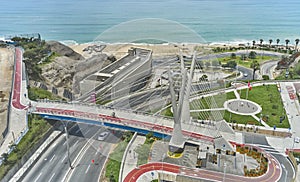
297, 140
103, 136
245, 74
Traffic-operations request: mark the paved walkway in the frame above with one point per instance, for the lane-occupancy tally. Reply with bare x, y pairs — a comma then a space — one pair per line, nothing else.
18, 120
131, 156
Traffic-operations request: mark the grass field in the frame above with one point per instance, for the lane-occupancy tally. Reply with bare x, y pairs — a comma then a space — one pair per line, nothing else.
268, 97
240, 119
247, 62
216, 101
115, 158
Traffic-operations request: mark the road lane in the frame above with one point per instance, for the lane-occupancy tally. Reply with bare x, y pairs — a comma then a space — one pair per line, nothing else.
97, 151
53, 164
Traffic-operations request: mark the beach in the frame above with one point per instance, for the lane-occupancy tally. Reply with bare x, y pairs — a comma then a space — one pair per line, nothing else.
159, 50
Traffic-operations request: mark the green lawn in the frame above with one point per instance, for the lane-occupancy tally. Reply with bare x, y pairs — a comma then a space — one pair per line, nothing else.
266, 96
269, 99
247, 62
167, 112
240, 119
144, 150
216, 101
37, 128
115, 158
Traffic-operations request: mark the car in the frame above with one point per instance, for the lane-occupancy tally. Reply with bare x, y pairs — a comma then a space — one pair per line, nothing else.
245, 74
103, 136
297, 139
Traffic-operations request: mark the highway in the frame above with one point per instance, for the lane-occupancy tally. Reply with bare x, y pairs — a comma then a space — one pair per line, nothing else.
53, 164
91, 163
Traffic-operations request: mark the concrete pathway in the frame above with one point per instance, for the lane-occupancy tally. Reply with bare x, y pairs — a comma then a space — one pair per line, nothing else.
131, 156
237, 95
261, 121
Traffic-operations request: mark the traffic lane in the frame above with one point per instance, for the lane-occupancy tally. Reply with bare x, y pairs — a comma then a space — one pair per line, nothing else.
92, 162
246, 71
58, 165
266, 68
36, 171
56, 154
49, 159
76, 144
288, 166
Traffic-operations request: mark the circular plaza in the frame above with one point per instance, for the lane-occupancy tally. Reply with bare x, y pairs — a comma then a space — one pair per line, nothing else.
242, 107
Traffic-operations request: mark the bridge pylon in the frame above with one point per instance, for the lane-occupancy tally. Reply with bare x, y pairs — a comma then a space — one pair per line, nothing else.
181, 109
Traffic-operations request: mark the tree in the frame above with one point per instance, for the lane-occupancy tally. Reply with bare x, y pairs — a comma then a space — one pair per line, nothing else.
261, 41
270, 41
253, 43
255, 66
233, 56
231, 64
243, 57
252, 55
297, 42
203, 78
4, 157
277, 41
286, 43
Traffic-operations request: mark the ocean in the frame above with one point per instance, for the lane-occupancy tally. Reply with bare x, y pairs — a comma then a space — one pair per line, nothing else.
215, 21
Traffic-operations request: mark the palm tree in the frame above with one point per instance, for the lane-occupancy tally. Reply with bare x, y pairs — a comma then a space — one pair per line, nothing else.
297, 42
255, 66
253, 43
287, 42
270, 41
277, 41
261, 41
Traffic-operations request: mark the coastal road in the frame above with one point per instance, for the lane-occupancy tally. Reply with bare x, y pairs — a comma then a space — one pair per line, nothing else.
92, 162
267, 68
53, 164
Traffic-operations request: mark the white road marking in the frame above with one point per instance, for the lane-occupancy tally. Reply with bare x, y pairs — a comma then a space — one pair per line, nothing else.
38, 177
88, 131
87, 169
52, 158
63, 159
51, 177
77, 131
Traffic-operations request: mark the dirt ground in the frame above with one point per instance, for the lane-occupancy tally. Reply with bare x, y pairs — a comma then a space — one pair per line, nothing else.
6, 71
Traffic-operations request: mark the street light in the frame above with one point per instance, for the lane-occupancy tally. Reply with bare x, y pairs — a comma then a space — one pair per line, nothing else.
68, 147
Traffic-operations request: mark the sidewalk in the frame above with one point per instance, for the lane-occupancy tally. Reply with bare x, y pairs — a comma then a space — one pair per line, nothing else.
131, 156
17, 123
